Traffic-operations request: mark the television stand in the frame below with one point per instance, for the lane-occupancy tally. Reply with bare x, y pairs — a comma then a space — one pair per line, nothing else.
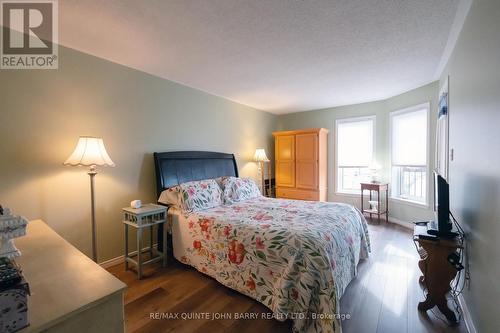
432, 229
437, 272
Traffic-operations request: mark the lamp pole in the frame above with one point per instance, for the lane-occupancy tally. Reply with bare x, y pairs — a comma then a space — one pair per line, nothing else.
269, 179
92, 172
262, 180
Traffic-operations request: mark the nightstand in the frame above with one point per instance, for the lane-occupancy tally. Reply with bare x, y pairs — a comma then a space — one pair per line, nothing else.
142, 218
379, 188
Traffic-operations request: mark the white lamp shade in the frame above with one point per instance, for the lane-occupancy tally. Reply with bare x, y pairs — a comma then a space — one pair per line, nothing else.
374, 165
89, 151
260, 155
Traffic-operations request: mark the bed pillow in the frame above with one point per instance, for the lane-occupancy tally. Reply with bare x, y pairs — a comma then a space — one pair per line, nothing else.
171, 196
199, 195
239, 189
219, 180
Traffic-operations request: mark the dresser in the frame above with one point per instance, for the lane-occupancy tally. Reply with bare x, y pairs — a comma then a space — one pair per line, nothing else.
301, 164
69, 292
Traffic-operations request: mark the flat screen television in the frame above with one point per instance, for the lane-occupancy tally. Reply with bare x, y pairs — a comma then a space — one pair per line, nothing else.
442, 206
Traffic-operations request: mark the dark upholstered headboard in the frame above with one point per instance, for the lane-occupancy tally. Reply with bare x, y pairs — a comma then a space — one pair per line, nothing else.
176, 167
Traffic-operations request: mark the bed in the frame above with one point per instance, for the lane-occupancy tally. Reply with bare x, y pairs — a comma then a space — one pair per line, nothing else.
295, 257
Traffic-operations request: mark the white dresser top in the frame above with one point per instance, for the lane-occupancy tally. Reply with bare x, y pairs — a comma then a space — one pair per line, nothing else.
63, 281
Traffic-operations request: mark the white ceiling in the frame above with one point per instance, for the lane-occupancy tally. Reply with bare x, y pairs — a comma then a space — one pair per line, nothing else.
279, 56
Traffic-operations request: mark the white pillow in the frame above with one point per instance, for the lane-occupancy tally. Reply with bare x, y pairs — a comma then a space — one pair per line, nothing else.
171, 196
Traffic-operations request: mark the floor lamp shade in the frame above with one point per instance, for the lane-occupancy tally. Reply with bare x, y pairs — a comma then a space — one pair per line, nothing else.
90, 152
261, 157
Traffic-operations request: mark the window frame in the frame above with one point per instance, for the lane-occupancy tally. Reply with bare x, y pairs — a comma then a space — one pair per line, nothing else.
392, 197
336, 184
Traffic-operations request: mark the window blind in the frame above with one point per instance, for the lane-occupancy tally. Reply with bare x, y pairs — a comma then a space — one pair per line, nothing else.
355, 143
409, 138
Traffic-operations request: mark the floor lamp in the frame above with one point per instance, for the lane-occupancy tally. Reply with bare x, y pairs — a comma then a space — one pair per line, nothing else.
90, 152
261, 158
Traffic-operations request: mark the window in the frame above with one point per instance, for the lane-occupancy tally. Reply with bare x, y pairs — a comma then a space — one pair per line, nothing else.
355, 142
409, 135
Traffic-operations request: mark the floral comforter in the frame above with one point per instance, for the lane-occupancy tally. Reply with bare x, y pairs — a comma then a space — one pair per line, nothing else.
295, 257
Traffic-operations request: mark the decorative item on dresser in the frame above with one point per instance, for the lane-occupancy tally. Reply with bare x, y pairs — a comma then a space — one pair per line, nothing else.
90, 152
14, 292
146, 216
14, 289
375, 205
301, 164
11, 226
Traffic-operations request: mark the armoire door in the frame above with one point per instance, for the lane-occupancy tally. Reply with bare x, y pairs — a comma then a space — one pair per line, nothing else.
285, 160
306, 161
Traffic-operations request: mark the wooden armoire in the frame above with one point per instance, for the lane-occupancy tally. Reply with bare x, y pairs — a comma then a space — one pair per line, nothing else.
301, 164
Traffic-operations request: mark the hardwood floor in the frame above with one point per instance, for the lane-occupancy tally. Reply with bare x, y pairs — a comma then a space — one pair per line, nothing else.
383, 297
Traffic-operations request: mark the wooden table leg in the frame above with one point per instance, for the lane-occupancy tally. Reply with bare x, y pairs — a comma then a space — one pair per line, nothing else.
379, 208
421, 265
368, 202
387, 204
448, 313
427, 304
362, 209
437, 275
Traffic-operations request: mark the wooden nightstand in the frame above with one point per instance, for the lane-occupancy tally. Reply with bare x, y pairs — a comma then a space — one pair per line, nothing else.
141, 218
379, 188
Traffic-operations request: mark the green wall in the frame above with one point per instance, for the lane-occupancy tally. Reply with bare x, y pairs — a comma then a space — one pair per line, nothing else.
399, 212
44, 111
474, 78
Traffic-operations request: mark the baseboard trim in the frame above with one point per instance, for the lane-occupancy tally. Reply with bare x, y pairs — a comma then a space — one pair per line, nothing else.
469, 324
120, 259
113, 262
405, 224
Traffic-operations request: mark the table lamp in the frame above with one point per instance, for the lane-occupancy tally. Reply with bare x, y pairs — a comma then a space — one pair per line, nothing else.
261, 157
90, 152
374, 168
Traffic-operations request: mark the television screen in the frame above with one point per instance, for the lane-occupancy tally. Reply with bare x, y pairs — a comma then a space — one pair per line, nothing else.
442, 203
